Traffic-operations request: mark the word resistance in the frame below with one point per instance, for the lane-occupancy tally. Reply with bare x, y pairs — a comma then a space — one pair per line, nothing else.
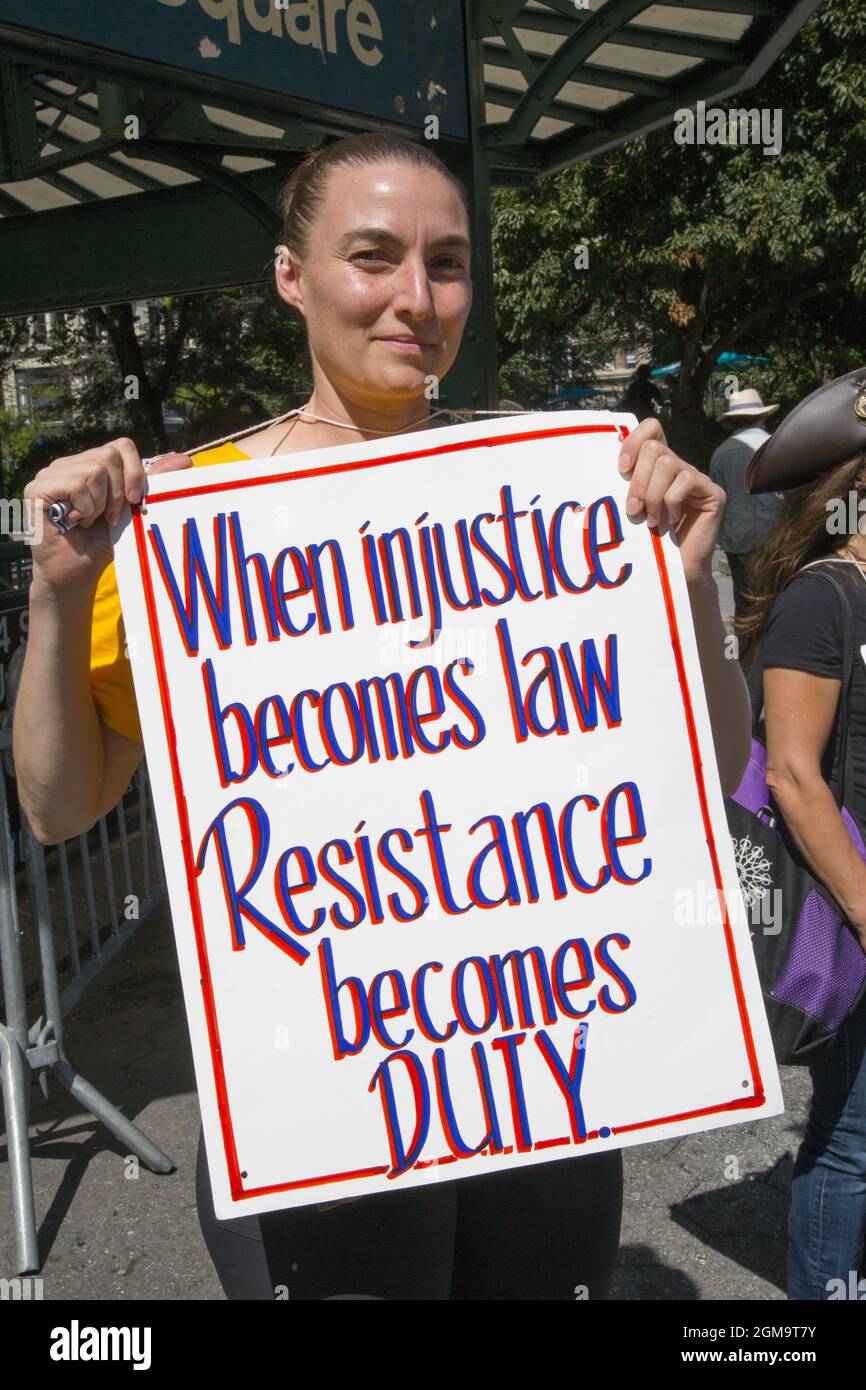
349, 882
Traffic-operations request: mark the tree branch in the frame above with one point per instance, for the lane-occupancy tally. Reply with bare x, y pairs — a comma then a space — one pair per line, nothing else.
728, 339
145, 409
184, 318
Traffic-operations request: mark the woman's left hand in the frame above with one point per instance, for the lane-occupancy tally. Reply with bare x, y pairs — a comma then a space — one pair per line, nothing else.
671, 492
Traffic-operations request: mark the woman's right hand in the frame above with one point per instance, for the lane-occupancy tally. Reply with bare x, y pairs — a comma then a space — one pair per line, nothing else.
98, 483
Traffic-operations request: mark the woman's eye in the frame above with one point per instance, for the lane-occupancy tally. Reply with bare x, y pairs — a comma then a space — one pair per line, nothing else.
371, 255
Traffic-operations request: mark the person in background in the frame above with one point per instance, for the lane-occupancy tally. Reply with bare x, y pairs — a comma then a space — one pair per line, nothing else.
794, 631
747, 521
642, 395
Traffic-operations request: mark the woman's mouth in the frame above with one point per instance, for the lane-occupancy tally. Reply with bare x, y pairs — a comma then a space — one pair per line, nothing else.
412, 345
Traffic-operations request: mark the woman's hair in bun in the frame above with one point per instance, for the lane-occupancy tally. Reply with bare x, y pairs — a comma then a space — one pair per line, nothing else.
304, 190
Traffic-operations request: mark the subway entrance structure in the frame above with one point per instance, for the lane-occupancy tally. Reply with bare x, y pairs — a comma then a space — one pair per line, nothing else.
142, 146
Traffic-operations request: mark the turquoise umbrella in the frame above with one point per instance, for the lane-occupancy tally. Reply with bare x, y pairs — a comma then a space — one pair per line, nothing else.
724, 362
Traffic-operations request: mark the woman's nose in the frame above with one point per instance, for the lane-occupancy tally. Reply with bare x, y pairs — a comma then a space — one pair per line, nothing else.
412, 290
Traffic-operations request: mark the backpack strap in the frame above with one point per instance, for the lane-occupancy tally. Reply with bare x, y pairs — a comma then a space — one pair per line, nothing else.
842, 773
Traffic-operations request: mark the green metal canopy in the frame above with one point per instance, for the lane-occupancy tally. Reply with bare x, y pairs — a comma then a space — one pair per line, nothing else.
143, 145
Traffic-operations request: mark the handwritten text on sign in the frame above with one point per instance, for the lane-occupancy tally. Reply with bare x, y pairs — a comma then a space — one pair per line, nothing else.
431, 762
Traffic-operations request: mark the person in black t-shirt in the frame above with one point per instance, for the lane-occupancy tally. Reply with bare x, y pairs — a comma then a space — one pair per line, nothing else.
794, 631
804, 633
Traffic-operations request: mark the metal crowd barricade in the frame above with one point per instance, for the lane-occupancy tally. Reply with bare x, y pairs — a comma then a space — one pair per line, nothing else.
31, 1037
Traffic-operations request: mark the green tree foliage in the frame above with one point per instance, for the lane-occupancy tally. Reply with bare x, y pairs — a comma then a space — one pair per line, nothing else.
117, 372
702, 249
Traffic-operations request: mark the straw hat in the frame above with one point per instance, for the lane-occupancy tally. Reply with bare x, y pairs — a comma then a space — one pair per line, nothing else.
745, 405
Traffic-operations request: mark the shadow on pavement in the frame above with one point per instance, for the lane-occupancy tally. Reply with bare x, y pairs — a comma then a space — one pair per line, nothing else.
743, 1220
641, 1274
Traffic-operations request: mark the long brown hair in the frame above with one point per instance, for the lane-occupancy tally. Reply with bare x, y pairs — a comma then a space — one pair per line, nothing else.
803, 532
304, 190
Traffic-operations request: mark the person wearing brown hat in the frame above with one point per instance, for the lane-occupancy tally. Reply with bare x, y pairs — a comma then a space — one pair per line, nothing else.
793, 627
746, 520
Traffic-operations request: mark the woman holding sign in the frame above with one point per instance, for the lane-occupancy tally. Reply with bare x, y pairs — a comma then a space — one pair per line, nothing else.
376, 259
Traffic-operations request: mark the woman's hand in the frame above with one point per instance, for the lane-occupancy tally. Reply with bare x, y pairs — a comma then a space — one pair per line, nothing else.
98, 483
672, 493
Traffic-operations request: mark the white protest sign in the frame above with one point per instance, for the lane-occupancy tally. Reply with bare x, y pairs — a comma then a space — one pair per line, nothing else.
433, 770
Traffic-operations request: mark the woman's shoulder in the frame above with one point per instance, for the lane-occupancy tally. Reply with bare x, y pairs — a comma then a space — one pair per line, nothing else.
810, 585
808, 595
256, 443
804, 628
217, 453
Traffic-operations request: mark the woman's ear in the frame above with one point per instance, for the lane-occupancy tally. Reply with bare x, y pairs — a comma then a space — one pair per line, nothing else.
288, 278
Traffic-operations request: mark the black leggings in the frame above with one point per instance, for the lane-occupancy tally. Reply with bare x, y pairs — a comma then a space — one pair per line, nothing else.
549, 1231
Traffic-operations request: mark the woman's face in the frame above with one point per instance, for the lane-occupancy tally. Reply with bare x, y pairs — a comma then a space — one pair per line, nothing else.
385, 287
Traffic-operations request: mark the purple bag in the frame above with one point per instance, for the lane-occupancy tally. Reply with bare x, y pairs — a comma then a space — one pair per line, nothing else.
810, 962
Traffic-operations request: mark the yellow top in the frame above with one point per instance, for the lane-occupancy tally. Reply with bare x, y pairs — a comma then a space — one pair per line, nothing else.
110, 671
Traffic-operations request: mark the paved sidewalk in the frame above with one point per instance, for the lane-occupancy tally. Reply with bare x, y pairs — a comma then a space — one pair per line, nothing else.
704, 1216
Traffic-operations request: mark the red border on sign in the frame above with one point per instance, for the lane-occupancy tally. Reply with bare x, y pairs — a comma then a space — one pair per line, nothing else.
238, 1192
